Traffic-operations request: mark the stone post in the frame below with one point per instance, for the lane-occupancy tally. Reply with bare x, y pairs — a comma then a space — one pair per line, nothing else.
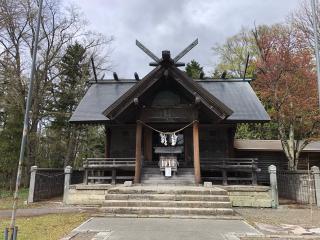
316, 176
33, 172
274, 187
67, 181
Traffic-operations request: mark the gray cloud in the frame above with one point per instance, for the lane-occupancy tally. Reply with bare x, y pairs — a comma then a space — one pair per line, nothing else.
173, 24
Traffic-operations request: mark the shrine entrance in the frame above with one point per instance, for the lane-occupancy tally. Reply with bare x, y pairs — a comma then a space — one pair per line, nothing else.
176, 149
167, 145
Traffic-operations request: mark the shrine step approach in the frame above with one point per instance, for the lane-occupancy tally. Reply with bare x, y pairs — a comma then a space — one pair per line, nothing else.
168, 201
152, 176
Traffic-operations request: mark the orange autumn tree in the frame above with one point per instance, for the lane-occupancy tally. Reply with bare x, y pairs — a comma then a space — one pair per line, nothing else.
286, 83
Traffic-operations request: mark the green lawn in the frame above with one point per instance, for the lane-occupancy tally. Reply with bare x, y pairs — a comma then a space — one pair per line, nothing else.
6, 198
47, 227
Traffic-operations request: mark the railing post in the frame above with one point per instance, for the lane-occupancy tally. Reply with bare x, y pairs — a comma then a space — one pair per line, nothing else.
316, 176
274, 187
85, 166
114, 176
224, 173
254, 172
32, 184
67, 181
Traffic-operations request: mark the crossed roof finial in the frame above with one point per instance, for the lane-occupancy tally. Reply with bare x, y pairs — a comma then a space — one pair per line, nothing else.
166, 56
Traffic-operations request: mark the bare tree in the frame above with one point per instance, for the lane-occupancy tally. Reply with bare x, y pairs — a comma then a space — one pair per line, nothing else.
59, 28
302, 21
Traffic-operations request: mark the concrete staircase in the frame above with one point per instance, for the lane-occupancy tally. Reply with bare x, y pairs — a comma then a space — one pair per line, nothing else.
168, 201
153, 176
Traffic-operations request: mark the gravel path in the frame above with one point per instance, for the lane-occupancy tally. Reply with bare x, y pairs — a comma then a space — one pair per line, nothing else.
283, 215
44, 210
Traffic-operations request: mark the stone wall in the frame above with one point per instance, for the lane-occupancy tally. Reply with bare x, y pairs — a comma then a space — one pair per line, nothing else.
87, 194
249, 196
240, 196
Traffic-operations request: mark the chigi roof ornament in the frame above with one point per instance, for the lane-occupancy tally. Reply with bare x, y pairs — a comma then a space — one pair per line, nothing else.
166, 56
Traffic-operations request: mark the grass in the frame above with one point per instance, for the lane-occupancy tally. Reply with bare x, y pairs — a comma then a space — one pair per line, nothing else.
47, 227
6, 198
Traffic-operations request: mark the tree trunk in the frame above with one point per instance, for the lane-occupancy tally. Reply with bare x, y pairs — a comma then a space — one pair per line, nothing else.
72, 144
288, 145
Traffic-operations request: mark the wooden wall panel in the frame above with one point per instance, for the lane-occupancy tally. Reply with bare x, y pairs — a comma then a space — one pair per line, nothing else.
122, 142
147, 144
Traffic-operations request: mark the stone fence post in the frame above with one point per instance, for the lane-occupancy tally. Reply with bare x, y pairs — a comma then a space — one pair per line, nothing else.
67, 181
274, 186
33, 172
316, 176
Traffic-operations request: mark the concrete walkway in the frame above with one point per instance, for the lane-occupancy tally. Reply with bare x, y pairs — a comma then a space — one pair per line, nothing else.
103, 228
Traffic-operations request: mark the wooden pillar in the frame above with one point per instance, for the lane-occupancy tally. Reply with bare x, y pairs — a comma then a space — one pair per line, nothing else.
107, 142
147, 144
196, 154
137, 173
231, 134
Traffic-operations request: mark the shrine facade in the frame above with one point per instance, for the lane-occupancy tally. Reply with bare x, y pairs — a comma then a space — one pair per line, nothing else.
170, 123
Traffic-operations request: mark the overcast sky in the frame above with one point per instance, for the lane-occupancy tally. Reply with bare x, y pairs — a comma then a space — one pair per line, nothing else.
173, 24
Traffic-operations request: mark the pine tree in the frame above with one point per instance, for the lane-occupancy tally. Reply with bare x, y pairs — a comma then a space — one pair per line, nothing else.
68, 93
194, 69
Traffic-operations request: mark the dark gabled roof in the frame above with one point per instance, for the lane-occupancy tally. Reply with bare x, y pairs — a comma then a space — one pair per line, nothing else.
97, 98
236, 94
240, 97
212, 103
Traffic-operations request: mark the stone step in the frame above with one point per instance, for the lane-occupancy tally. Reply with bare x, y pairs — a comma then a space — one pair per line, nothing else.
152, 176
157, 169
168, 179
166, 204
159, 177
164, 177
168, 197
178, 173
168, 182
218, 217
168, 211
164, 180
161, 174
168, 190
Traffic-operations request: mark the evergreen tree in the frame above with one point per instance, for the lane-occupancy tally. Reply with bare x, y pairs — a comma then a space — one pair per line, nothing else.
68, 92
11, 119
194, 69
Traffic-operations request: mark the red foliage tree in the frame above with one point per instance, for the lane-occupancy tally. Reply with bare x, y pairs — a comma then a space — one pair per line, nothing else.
286, 82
